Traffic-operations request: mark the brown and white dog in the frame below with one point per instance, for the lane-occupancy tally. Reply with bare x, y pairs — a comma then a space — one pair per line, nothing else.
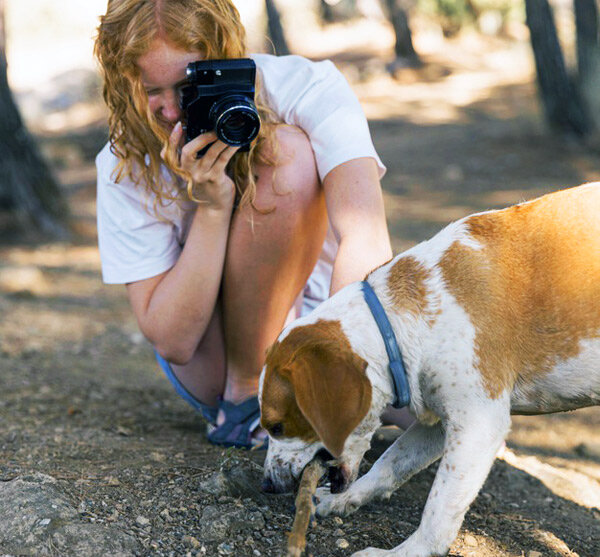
498, 313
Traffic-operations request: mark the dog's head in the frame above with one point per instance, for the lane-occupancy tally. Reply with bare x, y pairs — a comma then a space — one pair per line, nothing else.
314, 396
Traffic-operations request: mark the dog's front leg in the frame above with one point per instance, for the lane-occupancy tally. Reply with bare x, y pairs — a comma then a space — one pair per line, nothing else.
413, 451
472, 440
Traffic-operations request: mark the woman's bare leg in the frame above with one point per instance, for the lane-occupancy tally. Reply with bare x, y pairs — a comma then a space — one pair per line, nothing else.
204, 375
269, 259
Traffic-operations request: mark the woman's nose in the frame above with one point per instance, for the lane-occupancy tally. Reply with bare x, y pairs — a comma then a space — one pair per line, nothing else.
170, 109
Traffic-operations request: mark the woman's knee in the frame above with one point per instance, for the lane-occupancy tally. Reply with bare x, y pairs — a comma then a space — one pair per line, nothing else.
292, 184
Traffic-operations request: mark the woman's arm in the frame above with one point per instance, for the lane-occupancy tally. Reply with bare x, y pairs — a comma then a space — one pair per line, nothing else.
174, 308
355, 207
317, 98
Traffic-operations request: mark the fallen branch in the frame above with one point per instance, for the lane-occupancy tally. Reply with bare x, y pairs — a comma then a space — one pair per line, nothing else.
304, 507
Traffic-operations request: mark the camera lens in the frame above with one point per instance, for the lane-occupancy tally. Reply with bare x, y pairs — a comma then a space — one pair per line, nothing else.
235, 118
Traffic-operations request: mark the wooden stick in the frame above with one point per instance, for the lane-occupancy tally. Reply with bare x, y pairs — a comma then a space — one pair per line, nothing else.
304, 507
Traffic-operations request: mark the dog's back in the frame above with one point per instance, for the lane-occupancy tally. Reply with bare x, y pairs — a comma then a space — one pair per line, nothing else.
529, 280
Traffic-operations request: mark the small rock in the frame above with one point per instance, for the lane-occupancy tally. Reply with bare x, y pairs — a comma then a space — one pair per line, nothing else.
124, 431
471, 541
534, 554
337, 520
235, 482
192, 541
136, 338
342, 543
225, 549
219, 524
158, 457
93, 539
142, 521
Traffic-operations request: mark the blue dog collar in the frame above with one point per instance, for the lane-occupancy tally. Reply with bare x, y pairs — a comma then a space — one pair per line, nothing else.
396, 365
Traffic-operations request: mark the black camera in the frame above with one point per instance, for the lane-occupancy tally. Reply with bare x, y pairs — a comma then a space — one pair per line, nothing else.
219, 96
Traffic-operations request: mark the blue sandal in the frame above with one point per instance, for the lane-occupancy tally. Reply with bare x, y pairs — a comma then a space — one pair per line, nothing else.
241, 420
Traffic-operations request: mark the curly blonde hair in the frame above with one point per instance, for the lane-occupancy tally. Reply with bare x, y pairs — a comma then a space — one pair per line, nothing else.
126, 32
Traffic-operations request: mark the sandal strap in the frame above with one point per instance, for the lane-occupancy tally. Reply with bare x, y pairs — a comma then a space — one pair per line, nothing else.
240, 421
209, 412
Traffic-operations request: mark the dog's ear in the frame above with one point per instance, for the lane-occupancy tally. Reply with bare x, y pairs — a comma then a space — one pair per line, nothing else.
332, 391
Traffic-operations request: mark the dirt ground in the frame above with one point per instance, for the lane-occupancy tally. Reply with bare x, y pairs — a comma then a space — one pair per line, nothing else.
83, 401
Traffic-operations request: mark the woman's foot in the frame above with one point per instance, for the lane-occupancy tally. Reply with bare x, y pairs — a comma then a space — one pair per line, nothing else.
238, 425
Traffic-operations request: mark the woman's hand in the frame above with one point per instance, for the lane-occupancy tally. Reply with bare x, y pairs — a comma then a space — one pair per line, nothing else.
211, 183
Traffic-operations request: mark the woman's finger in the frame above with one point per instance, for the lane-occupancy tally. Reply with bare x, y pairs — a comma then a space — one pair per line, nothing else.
211, 166
224, 157
190, 149
174, 140
176, 135
212, 154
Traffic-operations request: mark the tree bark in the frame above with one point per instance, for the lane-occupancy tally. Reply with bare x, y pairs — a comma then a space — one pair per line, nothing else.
326, 12
406, 55
586, 23
588, 55
276, 29
27, 188
334, 11
563, 103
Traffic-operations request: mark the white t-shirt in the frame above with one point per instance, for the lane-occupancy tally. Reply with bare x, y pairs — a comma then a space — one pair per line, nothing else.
135, 243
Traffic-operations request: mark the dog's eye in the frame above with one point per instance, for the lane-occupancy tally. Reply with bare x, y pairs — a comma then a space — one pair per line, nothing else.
276, 430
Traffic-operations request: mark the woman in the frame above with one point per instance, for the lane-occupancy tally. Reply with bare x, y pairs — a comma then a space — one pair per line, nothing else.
217, 252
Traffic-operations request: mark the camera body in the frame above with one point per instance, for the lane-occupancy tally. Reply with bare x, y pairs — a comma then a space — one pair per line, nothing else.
219, 96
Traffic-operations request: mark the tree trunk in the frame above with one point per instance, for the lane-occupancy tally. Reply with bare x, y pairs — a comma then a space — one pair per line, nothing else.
276, 32
27, 189
563, 104
586, 22
332, 11
406, 56
326, 12
588, 55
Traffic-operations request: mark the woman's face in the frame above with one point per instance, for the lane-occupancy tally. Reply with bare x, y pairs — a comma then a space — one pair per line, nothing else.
163, 73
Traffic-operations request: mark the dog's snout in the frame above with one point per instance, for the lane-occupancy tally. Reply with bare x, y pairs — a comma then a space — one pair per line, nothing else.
267, 486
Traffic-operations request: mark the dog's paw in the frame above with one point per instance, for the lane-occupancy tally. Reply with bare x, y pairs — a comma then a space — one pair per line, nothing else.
338, 504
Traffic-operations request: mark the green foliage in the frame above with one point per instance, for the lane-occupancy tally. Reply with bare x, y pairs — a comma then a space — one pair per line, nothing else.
453, 15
